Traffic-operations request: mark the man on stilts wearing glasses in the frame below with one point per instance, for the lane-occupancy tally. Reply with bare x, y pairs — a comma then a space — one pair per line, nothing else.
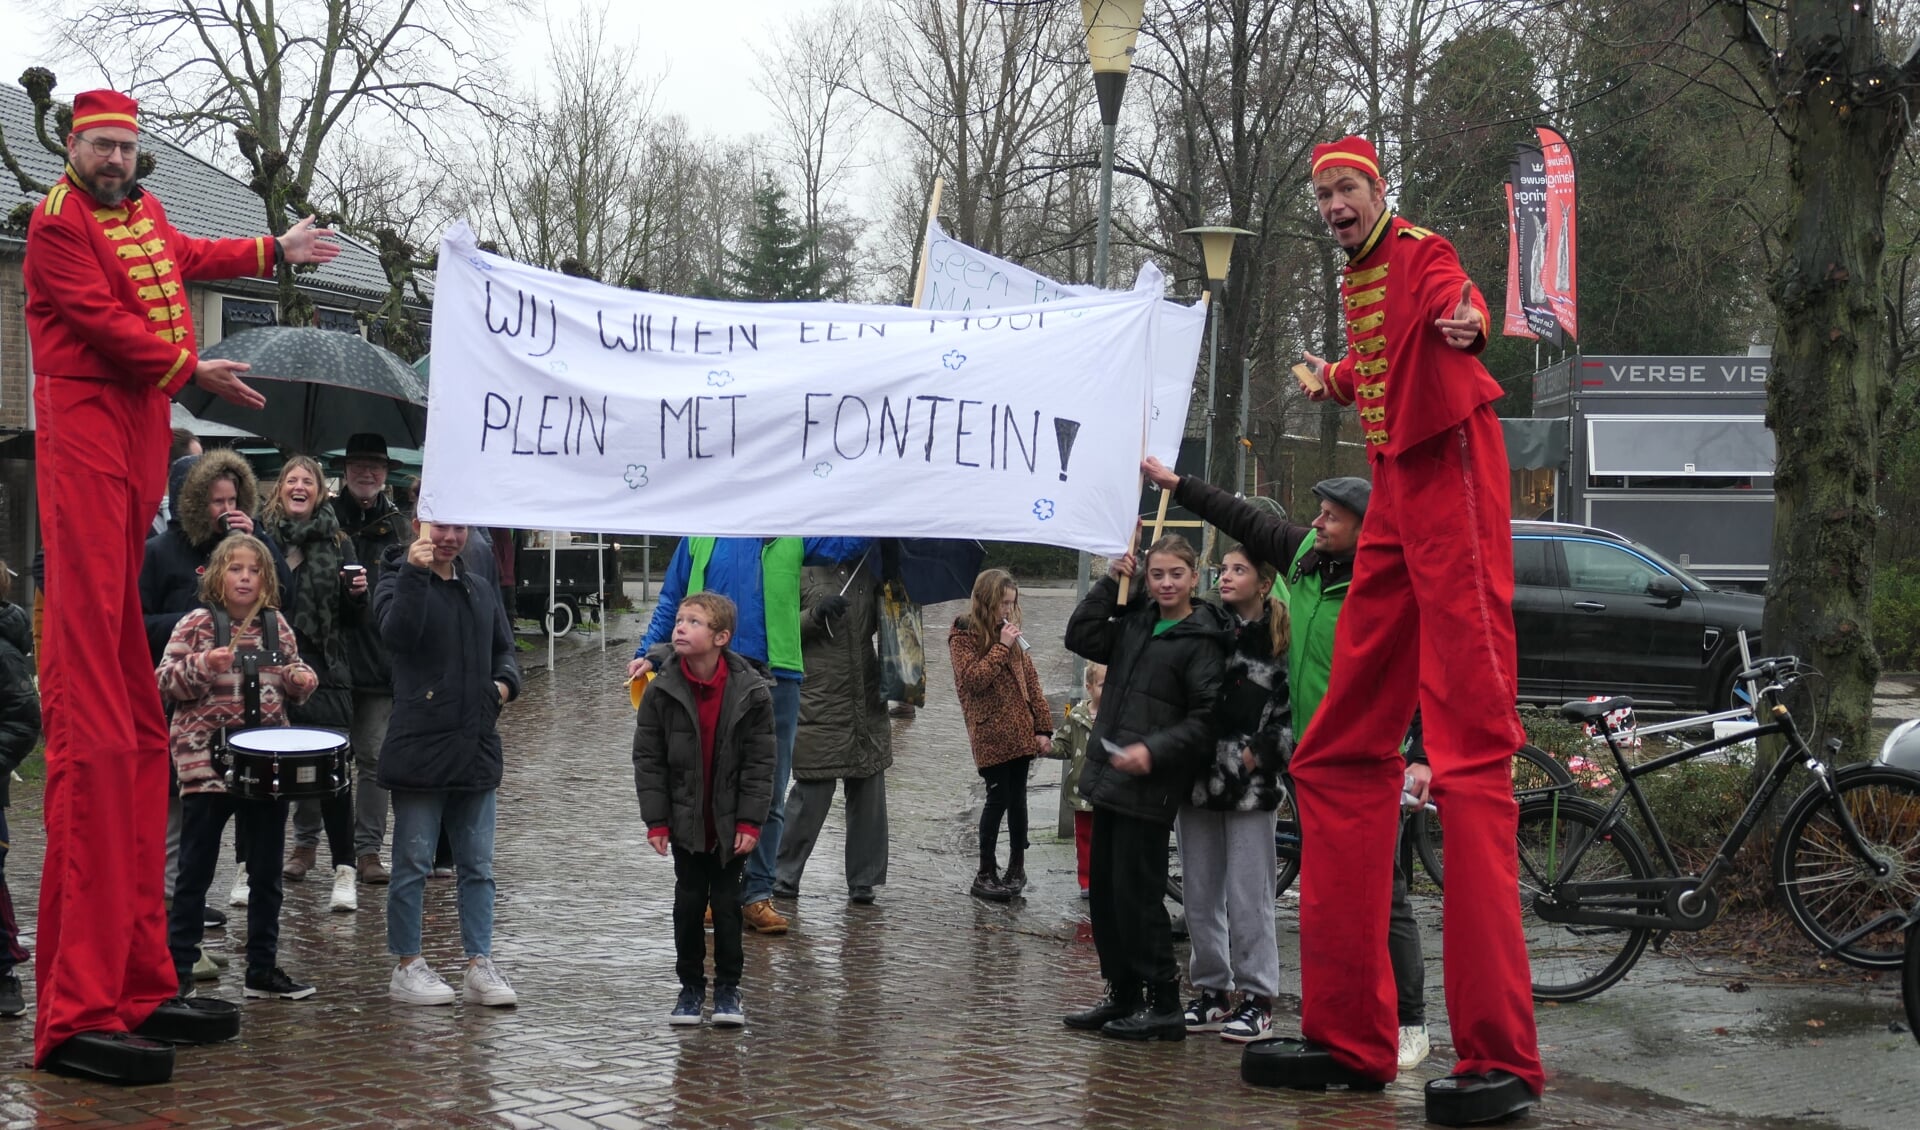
107, 316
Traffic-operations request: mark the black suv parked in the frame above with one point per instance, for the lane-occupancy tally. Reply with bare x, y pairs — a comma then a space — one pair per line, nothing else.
1597, 613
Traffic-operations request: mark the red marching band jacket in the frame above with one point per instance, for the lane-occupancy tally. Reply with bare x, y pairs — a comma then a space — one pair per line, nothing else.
106, 287
1408, 383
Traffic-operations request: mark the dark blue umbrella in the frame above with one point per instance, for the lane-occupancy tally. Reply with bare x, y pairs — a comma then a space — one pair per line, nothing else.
939, 569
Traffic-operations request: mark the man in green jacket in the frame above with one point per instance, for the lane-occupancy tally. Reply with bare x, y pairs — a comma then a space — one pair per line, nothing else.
1315, 564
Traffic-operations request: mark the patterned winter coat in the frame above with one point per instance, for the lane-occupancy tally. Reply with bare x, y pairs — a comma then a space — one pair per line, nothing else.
208, 702
1252, 712
1000, 697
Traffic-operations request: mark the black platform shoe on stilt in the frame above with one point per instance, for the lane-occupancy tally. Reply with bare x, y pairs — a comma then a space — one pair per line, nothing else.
1300, 1065
120, 1058
1120, 1000
192, 1020
1475, 1100
1159, 1017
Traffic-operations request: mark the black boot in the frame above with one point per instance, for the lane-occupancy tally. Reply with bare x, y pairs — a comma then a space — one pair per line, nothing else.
1159, 1017
1015, 879
987, 885
1121, 999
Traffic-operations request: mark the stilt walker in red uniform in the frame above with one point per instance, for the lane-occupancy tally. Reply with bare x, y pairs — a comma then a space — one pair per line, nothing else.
108, 318
1428, 621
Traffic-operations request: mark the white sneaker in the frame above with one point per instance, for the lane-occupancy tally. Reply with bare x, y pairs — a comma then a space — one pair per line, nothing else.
415, 982
1413, 1046
238, 895
485, 984
345, 897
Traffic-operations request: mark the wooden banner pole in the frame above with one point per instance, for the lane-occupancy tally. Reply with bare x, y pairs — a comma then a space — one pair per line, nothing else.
933, 211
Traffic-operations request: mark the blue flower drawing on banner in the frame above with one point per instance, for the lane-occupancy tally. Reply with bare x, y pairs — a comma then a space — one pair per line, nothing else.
822, 470
953, 359
636, 476
1043, 509
720, 378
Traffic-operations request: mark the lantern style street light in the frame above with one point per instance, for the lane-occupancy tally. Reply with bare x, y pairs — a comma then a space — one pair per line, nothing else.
1112, 28
1216, 254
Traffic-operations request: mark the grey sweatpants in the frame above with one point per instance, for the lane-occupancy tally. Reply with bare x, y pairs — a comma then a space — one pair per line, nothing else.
1227, 870
866, 814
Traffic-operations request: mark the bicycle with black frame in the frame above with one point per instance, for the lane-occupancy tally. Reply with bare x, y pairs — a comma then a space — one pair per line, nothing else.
1846, 861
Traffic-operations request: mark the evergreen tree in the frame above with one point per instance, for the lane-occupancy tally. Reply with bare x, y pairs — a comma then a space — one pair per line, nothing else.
777, 263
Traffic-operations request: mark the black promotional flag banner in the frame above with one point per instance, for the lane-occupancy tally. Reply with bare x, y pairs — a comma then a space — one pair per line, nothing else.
1516, 319
1559, 278
1530, 227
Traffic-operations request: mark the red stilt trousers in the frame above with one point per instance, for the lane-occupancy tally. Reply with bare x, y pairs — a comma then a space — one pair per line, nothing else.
101, 960
1429, 619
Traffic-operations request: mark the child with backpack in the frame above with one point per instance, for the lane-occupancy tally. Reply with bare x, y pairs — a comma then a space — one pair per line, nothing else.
203, 673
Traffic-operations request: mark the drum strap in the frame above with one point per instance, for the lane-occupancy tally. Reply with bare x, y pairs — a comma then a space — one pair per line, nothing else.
250, 659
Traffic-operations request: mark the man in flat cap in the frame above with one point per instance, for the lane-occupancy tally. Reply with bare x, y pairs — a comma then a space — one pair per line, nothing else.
112, 337
1428, 623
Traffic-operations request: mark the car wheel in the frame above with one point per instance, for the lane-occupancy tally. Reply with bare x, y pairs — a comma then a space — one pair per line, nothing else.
1728, 693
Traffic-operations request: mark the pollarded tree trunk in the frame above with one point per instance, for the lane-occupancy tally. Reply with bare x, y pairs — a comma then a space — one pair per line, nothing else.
1845, 127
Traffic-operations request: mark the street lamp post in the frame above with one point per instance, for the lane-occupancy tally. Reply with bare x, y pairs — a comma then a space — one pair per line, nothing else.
1112, 28
1216, 253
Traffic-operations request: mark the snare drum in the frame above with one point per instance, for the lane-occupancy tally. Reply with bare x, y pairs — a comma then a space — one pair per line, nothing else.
286, 763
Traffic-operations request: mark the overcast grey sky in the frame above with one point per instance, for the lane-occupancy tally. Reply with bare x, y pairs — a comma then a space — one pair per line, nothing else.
702, 48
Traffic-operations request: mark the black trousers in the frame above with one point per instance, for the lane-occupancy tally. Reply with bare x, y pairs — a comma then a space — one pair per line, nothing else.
1006, 795
259, 830
1128, 886
700, 880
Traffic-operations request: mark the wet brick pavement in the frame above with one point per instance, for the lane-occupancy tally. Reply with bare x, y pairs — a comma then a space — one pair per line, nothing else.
927, 1009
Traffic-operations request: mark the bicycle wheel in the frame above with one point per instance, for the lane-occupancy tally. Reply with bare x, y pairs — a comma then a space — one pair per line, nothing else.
1572, 962
1829, 890
1286, 843
1534, 769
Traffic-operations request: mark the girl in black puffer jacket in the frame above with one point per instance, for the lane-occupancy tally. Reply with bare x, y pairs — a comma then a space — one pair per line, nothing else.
1164, 654
1227, 824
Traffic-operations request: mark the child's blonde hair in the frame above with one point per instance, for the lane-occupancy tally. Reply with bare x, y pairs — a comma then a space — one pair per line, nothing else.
983, 609
213, 583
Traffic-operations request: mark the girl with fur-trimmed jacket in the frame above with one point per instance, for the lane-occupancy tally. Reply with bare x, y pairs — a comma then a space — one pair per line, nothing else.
1227, 825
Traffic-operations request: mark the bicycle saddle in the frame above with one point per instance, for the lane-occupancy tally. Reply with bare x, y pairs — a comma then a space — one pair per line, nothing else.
1594, 711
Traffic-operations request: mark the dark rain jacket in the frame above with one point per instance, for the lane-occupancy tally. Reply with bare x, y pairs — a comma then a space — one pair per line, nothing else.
844, 730
669, 770
374, 530
1160, 690
449, 641
19, 701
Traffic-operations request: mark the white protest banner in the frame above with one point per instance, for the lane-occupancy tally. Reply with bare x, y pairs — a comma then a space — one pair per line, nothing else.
960, 277
560, 403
